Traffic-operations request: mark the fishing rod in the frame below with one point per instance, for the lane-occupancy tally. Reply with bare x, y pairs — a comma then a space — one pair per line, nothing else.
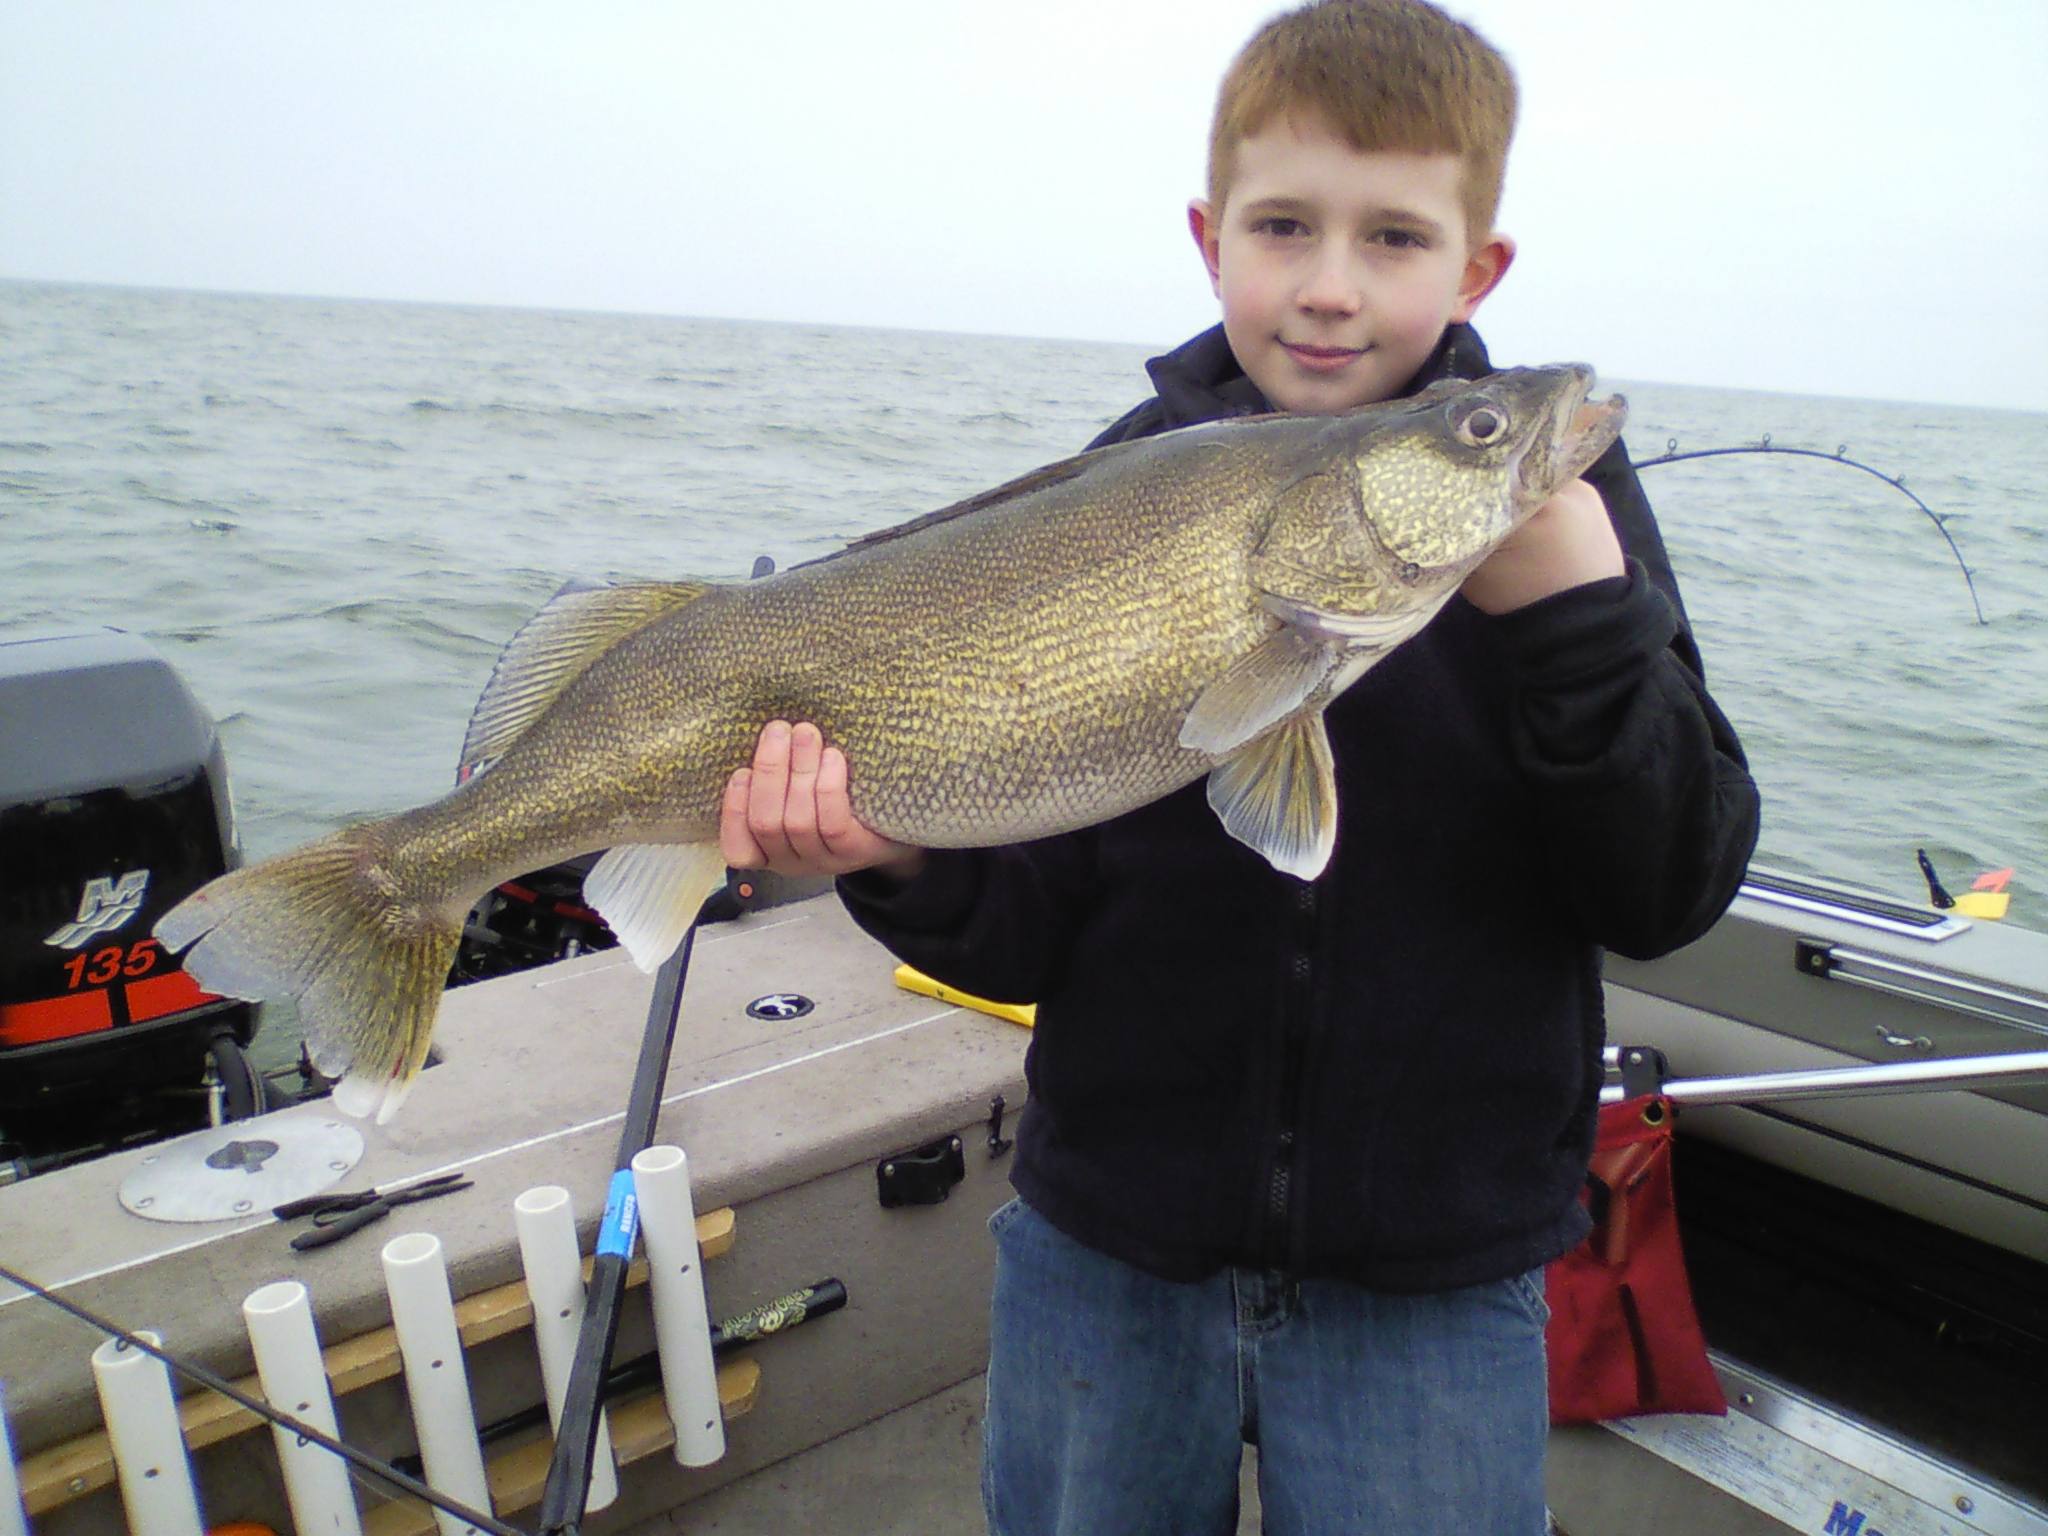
1671, 455
568, 1484
383, 1471
727, 1338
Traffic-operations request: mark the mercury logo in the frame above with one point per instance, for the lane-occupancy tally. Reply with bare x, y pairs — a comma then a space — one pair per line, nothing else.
104, 907
1844, 1521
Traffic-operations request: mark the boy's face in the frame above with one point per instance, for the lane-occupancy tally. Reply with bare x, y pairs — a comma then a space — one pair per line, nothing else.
1339, 268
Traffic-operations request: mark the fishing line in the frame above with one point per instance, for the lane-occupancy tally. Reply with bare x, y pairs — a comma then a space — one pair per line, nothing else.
383, 1471
1671, 455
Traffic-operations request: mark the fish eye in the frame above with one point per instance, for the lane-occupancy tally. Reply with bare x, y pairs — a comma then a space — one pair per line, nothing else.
1482, 427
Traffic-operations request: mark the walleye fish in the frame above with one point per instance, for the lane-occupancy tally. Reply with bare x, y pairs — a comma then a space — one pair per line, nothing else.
1047, 655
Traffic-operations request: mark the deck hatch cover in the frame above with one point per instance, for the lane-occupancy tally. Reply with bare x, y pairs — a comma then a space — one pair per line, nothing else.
243, 1168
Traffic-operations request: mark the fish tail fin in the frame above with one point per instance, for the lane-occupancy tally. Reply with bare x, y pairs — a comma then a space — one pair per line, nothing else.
328, 926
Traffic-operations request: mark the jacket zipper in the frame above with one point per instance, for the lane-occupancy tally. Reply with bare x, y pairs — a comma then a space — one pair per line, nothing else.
1296, 1010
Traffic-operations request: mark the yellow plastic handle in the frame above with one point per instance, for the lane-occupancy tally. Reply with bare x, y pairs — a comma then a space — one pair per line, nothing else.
916, 981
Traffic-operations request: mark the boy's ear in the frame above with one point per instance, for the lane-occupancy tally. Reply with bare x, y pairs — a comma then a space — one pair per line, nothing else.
1484, 269
1206, 228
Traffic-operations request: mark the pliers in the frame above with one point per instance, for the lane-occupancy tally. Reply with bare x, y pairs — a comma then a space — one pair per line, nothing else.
335, 1216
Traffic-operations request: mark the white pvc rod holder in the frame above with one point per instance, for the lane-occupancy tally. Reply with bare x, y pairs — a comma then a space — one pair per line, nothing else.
149, 1448
13, 1513
316, 1482
554, 1282
682, 1325
423, 1315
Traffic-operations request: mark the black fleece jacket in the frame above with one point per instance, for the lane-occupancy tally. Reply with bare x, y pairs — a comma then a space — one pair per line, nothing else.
1389, 1074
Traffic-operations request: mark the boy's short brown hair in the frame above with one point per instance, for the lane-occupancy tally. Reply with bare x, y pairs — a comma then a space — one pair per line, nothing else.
1382, 74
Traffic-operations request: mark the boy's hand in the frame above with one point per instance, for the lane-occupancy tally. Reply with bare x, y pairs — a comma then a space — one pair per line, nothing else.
789, 813
1568, 542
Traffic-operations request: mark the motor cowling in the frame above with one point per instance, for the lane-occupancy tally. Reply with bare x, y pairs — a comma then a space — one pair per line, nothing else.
113, 807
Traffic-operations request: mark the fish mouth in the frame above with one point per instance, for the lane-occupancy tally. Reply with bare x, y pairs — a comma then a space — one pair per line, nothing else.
1589, 432
1581, 430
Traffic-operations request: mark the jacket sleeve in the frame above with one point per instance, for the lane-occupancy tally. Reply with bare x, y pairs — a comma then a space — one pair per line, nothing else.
997, 922
1647, 811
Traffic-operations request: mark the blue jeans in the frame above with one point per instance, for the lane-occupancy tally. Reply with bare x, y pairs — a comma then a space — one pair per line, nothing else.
1118, 1404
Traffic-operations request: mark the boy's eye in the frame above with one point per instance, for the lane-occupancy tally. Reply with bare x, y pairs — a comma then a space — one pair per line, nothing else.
1402, 239
1280, 225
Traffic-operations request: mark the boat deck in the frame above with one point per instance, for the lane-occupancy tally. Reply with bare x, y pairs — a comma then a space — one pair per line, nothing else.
784, 1121
868, 1420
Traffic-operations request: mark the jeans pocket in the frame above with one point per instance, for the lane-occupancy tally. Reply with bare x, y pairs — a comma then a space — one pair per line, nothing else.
1527, 1290
1004, 1215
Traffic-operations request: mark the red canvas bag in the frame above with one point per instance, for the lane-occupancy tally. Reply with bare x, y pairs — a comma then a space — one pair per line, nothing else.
1623, 1336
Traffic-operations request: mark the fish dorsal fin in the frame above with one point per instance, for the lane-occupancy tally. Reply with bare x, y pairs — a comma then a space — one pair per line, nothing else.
1279, 797
550, 652
1263, 688
1024, 485
649, 893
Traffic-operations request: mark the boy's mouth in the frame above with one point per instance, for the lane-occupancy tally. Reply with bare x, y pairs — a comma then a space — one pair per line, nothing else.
1321, 359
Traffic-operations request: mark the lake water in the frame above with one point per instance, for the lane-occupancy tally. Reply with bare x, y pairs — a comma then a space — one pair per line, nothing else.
331, 515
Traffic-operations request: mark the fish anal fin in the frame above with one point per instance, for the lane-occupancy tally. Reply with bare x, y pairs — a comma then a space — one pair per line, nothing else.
552, 648
1278, 796
1264, 687
649, 893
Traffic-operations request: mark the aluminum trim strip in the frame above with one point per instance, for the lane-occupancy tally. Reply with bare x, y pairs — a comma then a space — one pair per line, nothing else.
1933, 933
2001, 1005
1913, 1471
1818, 1469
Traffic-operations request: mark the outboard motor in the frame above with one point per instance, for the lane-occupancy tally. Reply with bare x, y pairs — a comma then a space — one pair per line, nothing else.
113, 807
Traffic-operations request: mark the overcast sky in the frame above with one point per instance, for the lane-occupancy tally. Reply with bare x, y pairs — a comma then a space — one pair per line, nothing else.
1801, 195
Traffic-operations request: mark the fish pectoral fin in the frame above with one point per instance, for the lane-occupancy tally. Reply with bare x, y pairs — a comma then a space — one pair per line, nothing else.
1263, 688
1279, 797
649, 893
581, 621
1379, 632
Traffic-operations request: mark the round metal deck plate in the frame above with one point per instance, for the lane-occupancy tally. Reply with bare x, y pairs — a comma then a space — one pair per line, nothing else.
242, 1169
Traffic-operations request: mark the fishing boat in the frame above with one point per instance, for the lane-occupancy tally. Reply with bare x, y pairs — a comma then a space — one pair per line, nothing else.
1862, 1180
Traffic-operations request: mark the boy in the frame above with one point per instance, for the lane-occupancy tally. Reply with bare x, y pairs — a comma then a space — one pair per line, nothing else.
1296, 1153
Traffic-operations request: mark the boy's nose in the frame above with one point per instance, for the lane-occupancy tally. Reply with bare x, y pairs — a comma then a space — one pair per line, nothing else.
1330, 286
